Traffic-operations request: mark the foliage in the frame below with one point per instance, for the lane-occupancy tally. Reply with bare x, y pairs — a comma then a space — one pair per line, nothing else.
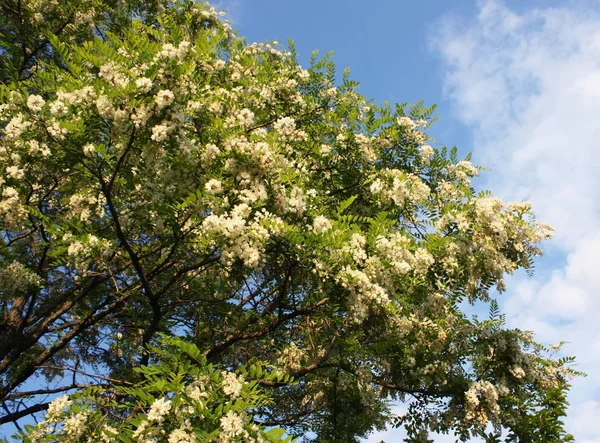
161, 175
181, 398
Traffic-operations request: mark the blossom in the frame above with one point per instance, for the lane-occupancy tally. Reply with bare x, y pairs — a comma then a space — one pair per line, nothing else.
426, 153
15, 172
57, 406
16, 126
182, 49
35, 102
245, 117
108, 434
232, 424
376, 186
423, 260
164, 98
406, 122
182, 436
111, 73
297, 200
161, 132
104, 106
74, 426
58, 108
303, 75
142, 115
15, 278
285, 125
517, 372
331, 92
144, 84
140, 429
211, 152
159, 409
168, 51
89, 150
213, 186
232, 385
365, 145
321, 224
291, 357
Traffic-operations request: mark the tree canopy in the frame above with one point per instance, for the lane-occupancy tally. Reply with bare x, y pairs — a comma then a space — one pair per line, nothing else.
197, 227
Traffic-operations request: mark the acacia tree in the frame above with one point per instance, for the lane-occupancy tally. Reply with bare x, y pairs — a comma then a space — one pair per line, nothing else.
162, 176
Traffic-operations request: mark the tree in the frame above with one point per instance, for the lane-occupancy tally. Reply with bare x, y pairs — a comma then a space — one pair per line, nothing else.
163, 176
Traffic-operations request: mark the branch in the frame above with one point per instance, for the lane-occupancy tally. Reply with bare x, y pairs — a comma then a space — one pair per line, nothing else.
30, 368
87, 374
232, 339
47, 391
23, 413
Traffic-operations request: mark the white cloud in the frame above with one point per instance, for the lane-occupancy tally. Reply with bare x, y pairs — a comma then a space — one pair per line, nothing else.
234, 9
528, 84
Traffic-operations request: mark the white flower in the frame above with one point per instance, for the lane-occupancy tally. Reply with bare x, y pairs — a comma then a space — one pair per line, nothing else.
324, 149
232, 424
35, 102
468, 168
15, 172
406, 122
471, 396
75, 426
245, 117
182, 436
105, 108
303, 75
426, 153
108, 434
216, 107
210, 153
16, 126
57, 406
321, 224
144, 84
291, 357
376, 186
10, 193
159, 409
331, 92
285, 125
111, 73
161, 132
423, 260
213, 186
297, 200
168, 51
164, 98
140, 429
58, 108
182, 49
232, 385
517, 372
89, 150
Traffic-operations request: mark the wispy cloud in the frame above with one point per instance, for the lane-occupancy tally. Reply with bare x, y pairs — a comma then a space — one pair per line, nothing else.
234, 9
528, 85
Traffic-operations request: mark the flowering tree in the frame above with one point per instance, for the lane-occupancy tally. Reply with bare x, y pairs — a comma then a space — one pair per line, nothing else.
162, 176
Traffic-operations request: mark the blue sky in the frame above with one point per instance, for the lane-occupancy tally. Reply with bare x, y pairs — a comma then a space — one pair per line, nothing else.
517, 83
